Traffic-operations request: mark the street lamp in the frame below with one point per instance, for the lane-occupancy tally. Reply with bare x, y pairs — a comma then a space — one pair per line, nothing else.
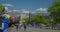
29, 16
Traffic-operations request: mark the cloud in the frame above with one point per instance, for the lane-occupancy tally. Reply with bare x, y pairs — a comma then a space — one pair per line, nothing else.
33, 12
42, 9
18, 11
14, 10
25, 11
7, 5
9, 11
6, 8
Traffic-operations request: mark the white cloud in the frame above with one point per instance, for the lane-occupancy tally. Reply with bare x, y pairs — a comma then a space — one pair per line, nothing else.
42, 9
33, 12
14, 10
9, 11
7, 4
21, 11
6, 8
25, 11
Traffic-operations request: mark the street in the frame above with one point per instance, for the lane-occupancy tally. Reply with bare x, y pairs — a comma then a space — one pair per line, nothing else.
30, 29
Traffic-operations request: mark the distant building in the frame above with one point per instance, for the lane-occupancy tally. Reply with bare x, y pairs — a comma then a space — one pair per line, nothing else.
24, 15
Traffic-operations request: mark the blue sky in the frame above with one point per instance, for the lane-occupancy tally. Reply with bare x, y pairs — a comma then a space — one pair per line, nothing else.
25, 4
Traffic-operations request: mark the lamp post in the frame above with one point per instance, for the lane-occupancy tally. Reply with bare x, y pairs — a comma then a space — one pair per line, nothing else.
29, 16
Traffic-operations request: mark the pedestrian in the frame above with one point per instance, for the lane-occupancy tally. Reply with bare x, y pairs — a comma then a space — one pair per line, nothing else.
24, 24
20, 24
40, 25
1, 24
17, 24
5, 21
10, 22
34, 24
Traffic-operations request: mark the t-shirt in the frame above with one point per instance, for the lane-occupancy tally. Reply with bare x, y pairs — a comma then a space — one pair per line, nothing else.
5, 21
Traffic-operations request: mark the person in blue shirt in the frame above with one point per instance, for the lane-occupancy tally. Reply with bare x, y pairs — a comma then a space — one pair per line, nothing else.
5, 21
1, 24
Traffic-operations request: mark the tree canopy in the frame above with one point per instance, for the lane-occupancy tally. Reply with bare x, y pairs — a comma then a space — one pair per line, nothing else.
26, 20
55, 11
1, 8
39, 18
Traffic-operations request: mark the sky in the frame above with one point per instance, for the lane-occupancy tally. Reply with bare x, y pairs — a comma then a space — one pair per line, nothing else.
32, 5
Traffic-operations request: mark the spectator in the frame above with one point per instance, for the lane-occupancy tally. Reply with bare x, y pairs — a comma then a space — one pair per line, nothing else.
5, 21
24, 24
1, 24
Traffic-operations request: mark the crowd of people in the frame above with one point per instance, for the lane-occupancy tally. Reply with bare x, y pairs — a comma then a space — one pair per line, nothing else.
6, 23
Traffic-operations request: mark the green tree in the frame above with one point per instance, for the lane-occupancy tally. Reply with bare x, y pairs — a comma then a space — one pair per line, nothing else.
39, 18
55, 11
26, 20
1, 8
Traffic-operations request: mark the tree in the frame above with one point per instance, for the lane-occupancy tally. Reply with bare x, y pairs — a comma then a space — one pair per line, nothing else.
26, 20
1, 8
55, 12
39, 18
